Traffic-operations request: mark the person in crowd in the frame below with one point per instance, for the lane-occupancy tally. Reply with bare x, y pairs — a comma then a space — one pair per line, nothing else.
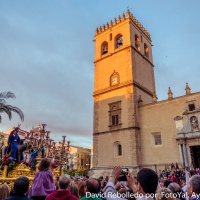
43, 183
92, 189
4, 191
177, 191
13, 141
56, 182
20, 189
173, 177
73, 188
62, 193
146, 184
161, 182
166, 183
182, 182
164, 194
77, 180
85, 178
193, 187
81, 189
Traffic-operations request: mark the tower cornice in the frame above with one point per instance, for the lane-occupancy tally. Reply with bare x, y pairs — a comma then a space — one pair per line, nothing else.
121, 85
116, 22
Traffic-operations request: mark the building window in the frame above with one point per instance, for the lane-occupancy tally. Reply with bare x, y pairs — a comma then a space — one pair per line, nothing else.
146, 50
115, 115
115, 120
137, 42
104, 48
118, 41
117, 149
157, 139
191, 107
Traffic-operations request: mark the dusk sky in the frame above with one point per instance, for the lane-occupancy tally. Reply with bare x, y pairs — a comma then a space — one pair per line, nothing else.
47, 54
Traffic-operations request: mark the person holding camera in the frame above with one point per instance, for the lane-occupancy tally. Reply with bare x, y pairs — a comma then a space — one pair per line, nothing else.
110, 191
143, 188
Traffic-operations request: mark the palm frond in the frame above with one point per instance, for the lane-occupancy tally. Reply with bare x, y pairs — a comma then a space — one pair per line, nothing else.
4, 108
6, 95
16, 110
3, 101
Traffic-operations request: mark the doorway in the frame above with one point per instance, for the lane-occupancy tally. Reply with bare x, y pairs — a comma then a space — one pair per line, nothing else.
195, 156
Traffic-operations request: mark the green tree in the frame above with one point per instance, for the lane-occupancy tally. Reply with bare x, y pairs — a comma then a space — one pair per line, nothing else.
8, 109
83, 172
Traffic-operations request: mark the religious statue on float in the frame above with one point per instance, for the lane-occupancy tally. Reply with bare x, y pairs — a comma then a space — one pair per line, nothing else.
13, 142
16, 146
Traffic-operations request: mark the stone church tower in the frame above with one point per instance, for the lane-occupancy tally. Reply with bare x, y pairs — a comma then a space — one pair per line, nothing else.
123, 81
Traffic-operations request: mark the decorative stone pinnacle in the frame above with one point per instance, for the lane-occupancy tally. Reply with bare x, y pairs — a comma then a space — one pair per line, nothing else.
123, 17
111, 23
107, 26
187, 89
119, 19
128, 14
170, 94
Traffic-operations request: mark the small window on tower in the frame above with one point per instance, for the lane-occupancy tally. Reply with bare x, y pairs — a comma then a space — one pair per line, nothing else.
117, 149
137, 42
191, 107
104, 48
119, 41
115, 115
146, 50
115, 120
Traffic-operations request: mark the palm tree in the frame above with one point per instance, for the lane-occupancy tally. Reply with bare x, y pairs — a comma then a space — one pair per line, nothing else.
8, 109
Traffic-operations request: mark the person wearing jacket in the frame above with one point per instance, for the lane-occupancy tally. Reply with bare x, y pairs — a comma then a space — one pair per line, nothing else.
62, 193
43, 183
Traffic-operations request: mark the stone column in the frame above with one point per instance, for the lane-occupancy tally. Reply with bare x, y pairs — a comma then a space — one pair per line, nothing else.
189, 155
185, 155
181, 154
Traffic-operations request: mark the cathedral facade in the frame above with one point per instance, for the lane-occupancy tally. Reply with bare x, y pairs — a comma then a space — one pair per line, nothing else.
131, 128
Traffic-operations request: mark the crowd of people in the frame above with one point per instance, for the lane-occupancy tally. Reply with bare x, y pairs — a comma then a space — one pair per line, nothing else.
174, 184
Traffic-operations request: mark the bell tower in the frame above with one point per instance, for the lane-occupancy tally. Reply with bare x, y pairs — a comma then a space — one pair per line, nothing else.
123, 80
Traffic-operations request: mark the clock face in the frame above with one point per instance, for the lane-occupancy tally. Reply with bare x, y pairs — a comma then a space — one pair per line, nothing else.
114, 80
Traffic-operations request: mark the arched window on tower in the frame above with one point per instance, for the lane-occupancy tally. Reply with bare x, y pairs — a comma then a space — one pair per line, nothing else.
137, 42
118, 41
117, 149
104, 48
146, 50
